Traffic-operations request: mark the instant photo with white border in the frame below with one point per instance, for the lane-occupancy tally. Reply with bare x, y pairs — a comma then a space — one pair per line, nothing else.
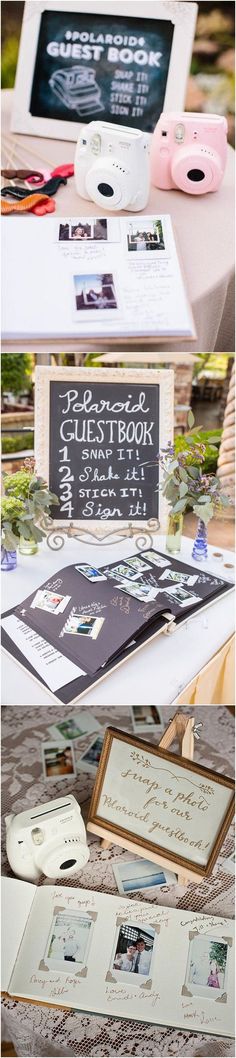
133, 930
86, 625
84, 763
51, 601
179, 578
61, 747
79, 725
98, 230
141, 592
153, 721
90, 572
134, 876
66, 950
205, 975
157, 560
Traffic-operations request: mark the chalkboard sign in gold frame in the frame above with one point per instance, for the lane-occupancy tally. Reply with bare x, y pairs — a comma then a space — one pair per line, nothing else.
98, 432
111, 59
157, 804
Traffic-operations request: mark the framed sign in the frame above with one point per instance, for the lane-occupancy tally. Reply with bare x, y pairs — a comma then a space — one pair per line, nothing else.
154, 802
96, 432
118, 61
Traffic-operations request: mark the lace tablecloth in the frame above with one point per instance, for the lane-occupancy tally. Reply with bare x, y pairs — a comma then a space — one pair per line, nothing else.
37, 1030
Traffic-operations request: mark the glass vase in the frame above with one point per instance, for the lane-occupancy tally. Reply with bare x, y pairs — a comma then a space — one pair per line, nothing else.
200, 552
174, 533
8, 559
28, 547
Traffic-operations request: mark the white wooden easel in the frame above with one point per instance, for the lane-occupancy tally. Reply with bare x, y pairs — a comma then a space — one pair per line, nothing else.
181, 728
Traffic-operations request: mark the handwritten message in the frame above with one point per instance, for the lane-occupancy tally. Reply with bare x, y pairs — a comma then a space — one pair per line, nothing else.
162, 802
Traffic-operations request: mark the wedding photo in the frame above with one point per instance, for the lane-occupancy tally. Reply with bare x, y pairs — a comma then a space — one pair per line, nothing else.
95, 292
69, 941
58, 760
79, 231
133, 952
207, 968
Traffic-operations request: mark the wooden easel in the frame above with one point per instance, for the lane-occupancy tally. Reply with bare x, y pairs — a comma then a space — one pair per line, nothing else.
181, 728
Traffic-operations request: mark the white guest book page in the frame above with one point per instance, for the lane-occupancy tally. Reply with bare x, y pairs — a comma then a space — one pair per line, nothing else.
85, 280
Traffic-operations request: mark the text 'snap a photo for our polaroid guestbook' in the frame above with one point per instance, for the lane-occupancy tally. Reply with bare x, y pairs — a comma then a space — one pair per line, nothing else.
94, 619
156, 964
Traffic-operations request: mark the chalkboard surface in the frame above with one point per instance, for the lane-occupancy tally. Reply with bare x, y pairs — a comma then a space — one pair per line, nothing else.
100, 436
92, 66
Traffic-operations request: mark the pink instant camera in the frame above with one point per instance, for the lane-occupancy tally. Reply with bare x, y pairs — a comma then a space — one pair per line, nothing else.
188, 152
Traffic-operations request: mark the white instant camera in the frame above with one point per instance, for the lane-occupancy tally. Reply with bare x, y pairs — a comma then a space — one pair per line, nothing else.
49, 839
112, 166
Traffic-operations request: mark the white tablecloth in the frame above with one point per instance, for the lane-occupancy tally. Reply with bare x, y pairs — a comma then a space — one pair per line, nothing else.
160, 670
204, 231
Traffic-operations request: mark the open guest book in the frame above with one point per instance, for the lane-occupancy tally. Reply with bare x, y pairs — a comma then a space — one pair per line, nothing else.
93, 278
108, 955
83, 621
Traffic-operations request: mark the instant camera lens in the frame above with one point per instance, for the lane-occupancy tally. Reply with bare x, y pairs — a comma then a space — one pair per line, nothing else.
106, 190
196, 175
67, 864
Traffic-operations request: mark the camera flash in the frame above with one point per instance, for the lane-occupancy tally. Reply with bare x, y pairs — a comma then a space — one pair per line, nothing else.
37, 836
179, 133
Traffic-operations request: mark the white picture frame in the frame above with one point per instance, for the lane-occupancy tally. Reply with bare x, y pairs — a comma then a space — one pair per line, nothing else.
162, 378
182, 16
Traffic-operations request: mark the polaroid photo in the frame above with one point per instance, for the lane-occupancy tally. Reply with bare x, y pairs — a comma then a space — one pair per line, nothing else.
181, 596
75, 727
133, 953
89, 760
157, 560
135, 875
58, 760
83, 231
146, 718
179, 578
69, 941
141, 592
138, 563
83, 625
146, 239
90, 572
207, 967
228, 865
123, 571
50, 601
95, 292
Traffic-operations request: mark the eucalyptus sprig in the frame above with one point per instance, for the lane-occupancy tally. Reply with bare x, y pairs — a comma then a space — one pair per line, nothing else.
25, 507
184, 484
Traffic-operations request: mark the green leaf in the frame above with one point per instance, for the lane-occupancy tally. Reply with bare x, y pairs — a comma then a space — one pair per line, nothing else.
183, 489
191, 419
183, 474
193, 472
179, 506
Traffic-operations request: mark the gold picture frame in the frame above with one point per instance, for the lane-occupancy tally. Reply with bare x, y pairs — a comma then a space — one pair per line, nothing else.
141, 845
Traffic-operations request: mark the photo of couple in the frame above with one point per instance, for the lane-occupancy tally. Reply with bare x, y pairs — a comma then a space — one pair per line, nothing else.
134, 950
68, 941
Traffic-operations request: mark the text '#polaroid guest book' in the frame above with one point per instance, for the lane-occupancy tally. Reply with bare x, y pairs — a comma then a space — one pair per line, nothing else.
106, 954
93, 277
82, 622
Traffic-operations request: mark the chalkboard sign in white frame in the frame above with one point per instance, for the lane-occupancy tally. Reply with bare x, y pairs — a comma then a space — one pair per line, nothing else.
181, 19
158, 384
